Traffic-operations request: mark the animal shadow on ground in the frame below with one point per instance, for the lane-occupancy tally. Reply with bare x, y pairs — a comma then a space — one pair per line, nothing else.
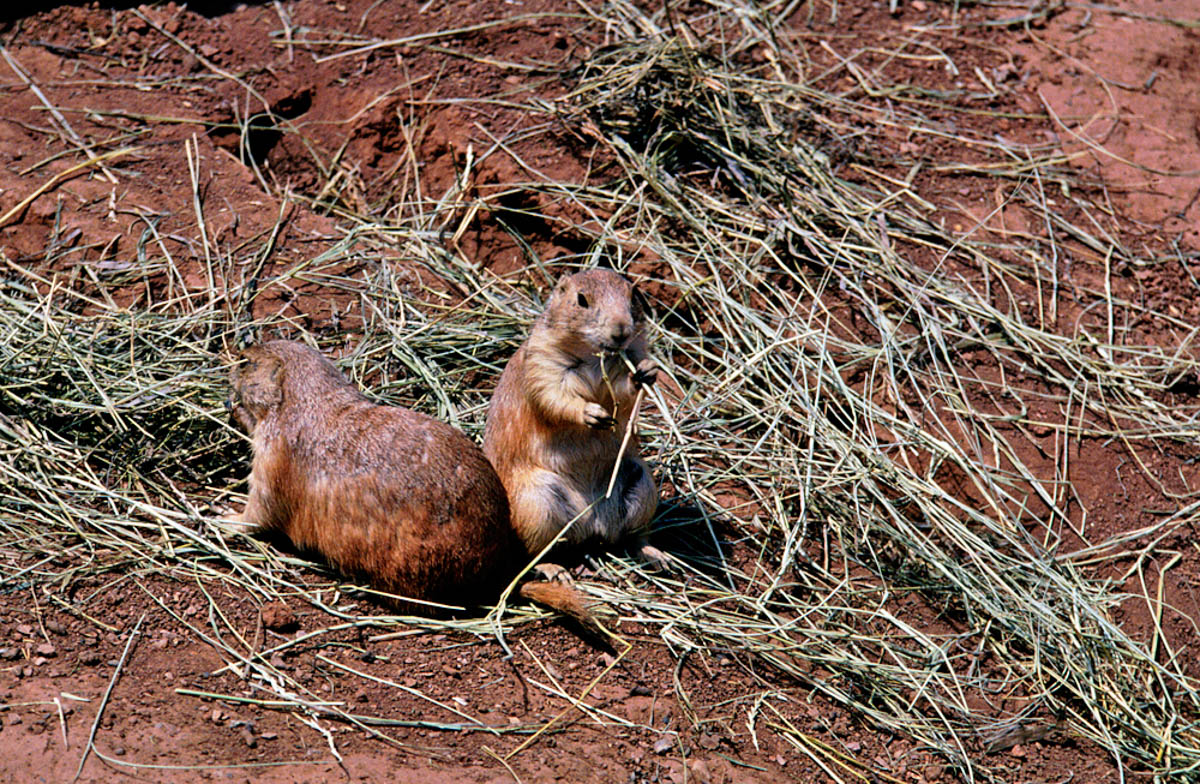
681, 529
685, 530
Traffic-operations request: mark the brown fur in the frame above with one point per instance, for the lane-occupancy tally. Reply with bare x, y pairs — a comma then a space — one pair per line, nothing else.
559, 413
383, 493
564, 598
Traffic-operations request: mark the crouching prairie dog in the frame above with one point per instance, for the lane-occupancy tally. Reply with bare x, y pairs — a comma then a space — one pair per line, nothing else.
560, 412
385, 494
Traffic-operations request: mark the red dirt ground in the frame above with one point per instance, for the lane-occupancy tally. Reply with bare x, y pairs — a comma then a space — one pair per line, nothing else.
1116, 90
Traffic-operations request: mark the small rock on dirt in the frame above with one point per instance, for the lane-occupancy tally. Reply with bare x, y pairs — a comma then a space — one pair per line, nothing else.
701, 772
278, 617
46, 649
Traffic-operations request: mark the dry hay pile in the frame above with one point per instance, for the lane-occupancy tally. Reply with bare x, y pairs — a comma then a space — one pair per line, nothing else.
815, 333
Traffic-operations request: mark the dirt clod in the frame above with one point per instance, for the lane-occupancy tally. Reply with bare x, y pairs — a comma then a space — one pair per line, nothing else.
278, 617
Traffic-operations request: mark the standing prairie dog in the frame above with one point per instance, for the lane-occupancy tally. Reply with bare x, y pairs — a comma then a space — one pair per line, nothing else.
559, 414
383, 493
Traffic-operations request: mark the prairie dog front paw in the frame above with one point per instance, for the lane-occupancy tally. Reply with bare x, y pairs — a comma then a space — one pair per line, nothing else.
646, 373
236, 522
597, 417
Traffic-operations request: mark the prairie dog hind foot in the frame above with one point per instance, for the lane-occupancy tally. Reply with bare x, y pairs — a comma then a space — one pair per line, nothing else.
655, 558
553, 573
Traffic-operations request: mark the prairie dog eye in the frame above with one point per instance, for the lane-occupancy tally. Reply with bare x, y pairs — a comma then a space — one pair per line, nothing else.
583, 302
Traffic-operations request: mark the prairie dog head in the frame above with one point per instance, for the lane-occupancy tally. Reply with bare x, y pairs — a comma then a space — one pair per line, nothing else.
596, 310
256, 386
273, 375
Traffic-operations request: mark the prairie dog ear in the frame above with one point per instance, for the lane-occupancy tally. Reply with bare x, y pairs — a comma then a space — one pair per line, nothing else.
258, 383
638, 302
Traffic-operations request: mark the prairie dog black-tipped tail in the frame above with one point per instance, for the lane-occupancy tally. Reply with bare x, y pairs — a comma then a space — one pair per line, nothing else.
566, 600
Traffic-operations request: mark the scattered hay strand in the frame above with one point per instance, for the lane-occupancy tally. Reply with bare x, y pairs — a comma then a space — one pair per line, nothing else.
87, 748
